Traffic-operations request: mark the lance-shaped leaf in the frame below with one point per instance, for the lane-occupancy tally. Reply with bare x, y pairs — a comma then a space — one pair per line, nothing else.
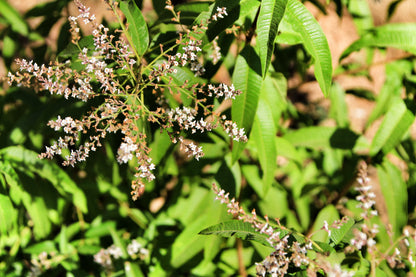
394, 126
271, 13
53, 173
247, 78
236, 228
263, 133
395, 194
137, 26
319, 137
17, 23
314, 41
399, 36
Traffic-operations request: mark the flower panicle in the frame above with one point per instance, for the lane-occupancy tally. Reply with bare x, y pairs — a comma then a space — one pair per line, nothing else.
285, 254
109, 70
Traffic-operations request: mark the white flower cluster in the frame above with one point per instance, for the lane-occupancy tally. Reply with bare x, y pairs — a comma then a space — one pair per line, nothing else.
186, 119
221, 11
222, 90
105, 256
231, 128
191, 149
124, 152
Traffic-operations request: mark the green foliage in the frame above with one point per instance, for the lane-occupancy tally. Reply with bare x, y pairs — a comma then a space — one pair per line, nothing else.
293, 182
137, 28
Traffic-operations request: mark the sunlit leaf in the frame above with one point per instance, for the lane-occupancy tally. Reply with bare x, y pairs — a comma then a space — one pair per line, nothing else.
271, 13
395, 194
247, 78
321, 136
338, 234
17, 23
329, 214
48, 170
394, 126
236, 228
314, 40
263, 133
398, 35
339, 110
137, 27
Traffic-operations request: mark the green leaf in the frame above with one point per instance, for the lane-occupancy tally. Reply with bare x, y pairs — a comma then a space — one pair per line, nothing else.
72, 50
395, 194
233, 8
275, 202
328, 214
286, 149
362, 15
189, 11
236, 228
252, 175
339, 110
8, 214
9, 46
17, 23
314, 40
399, 35
275, 90
247, 78
271, 13
263, 134
229, 177
137, 28
132, 270
394, 126
29, 160
287, 35
100, 229
392, 88
337, 235
47, 246
188, 244
321, 136
38, 213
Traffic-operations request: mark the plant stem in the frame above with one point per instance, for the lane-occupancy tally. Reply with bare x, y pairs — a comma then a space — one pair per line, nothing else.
241, 267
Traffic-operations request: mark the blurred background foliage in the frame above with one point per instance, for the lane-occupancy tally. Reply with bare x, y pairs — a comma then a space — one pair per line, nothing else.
72, 213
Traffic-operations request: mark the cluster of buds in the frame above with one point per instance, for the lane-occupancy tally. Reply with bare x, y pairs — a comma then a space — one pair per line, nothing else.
286, 254
41, 263
106, 256
365, 236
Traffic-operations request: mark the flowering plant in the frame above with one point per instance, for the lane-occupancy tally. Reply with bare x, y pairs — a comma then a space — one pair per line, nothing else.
168, 98
117, 72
